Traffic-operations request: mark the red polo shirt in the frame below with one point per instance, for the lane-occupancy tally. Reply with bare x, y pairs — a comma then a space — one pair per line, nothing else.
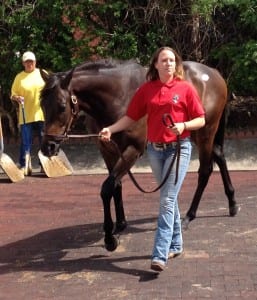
153, 98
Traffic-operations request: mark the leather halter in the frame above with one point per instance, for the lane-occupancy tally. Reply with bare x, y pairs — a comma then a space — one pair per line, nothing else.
74, 114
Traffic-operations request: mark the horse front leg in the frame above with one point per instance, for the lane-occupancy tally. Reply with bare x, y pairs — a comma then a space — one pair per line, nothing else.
130, 156
219, 158
112, 187
107, 192
121, 222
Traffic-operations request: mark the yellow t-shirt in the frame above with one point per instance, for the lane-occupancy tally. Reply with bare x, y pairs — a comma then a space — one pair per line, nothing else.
29, 86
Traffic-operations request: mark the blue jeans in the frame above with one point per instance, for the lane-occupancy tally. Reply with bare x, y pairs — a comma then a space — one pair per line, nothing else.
168, 237
27, 131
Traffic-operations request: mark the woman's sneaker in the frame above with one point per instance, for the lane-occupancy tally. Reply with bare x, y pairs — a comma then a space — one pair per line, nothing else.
157, 266
173, 255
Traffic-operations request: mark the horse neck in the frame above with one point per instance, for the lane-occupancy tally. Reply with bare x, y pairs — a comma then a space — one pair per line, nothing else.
101, 98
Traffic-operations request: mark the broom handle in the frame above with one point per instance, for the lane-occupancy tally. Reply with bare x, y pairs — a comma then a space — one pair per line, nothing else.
1, 138
23, 111
24, 122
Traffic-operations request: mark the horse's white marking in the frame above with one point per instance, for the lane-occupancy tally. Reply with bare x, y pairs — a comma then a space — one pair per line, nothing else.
205, 77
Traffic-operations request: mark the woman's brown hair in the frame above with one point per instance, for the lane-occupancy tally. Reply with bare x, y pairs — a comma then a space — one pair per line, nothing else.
152, 73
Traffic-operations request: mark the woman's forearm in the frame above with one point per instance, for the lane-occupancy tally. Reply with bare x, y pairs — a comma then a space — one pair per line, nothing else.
121, 124
195, 124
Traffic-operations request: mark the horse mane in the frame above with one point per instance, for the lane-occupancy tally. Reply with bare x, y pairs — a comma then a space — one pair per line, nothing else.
52, 81
109, 63
90, 66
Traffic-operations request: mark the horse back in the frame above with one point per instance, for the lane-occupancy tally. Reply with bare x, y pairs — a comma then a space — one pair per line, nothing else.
212, 90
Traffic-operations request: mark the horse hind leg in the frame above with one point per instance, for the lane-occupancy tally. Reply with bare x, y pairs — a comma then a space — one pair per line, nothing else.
204, 173
219, 158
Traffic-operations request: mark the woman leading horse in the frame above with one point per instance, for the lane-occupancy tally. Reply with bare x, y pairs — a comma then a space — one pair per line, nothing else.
103, 90
165, 92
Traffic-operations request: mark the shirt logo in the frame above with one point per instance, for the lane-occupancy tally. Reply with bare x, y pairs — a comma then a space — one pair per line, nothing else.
175, 99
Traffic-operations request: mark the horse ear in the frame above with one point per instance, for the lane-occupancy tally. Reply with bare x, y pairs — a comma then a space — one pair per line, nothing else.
66, 80
44, 75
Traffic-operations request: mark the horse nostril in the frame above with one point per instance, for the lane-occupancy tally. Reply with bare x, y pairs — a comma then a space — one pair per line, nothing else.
44, 149
53, 148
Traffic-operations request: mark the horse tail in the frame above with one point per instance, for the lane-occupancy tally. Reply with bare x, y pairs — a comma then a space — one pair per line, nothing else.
220, 134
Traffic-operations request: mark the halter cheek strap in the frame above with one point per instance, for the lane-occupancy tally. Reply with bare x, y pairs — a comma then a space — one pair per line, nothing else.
74, 106
74, 113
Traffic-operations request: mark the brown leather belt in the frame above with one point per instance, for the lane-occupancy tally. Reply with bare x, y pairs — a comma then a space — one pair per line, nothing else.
163, 146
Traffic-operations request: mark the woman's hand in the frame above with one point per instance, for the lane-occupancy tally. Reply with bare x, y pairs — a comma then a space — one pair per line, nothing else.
121, 124
18, 99
178, 128
105, 134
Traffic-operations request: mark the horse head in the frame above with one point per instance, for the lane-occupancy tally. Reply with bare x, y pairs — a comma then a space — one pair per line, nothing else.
56, 105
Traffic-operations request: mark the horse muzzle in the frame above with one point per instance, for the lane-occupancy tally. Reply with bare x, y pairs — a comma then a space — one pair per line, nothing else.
50, 148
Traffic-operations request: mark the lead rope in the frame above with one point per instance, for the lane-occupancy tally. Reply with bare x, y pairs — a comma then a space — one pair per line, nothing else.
75, 110
132, 177
176, 155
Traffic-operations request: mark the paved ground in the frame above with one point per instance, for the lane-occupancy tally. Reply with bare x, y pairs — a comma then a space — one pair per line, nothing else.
51, 244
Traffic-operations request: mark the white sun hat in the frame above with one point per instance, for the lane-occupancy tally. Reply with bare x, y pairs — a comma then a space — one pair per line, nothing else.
28, 56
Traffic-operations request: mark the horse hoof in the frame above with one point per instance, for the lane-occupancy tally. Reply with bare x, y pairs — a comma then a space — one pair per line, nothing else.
120, 227
112, 244
233, 210
185, 223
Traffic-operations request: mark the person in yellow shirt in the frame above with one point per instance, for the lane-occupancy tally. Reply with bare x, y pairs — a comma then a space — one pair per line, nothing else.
25, 91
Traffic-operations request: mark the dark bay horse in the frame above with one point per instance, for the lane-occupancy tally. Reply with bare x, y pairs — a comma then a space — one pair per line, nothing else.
103, 90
